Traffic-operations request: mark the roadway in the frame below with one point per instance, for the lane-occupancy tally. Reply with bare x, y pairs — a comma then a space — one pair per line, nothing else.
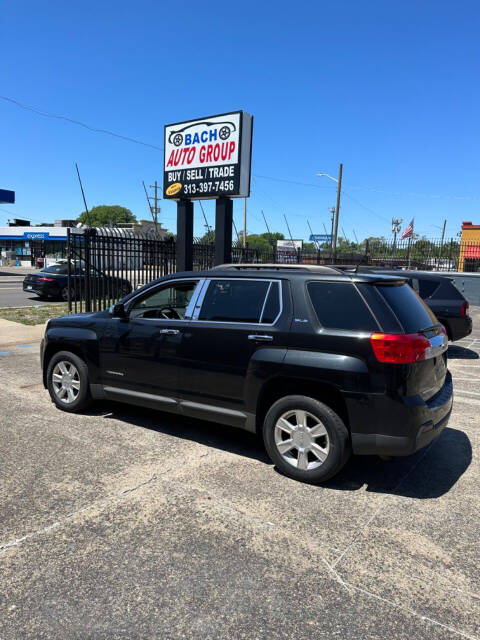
11, 289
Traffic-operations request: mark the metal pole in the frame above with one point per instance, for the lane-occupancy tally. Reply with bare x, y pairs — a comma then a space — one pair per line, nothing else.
83, 195
245, 222
443, 237
69, 271
314, 242
266, 223
337, 212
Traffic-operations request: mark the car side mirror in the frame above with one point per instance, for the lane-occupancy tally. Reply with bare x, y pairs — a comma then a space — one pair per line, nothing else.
118, 310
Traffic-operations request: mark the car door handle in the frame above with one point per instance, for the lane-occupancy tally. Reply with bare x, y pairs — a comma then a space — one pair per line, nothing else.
169, 332
260, 338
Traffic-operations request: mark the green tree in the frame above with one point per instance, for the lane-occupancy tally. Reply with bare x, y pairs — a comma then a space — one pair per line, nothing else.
106, 214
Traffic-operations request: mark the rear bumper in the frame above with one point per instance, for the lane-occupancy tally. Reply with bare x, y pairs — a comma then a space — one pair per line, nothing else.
45, 289
422, 423
457, 328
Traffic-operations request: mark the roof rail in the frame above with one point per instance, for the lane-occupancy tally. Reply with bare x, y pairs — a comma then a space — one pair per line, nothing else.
278, 267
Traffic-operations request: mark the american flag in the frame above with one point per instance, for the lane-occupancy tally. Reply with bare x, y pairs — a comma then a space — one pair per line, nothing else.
408, 233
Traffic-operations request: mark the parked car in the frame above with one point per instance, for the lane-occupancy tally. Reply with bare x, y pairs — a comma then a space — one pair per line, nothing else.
321, 362
52, 282
440, 294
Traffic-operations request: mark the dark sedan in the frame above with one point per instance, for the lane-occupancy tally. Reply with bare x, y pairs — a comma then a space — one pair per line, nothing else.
52, 282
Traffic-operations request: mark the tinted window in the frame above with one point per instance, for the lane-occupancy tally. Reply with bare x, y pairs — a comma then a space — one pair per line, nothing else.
338, 305
57, 268
234, 300
272, 305
427, 288
168, 303
412, 312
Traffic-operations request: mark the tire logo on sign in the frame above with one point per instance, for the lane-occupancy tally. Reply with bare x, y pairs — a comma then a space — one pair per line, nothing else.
174, 188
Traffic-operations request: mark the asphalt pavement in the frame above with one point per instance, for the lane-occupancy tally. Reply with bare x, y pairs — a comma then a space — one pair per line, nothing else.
127, 523
11, 289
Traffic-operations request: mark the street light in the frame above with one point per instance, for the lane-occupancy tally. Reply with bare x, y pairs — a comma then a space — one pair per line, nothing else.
326, 174
337, 210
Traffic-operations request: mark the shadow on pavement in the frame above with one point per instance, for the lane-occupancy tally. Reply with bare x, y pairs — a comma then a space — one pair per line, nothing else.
429, 473
424, 475
462, 353
210, 434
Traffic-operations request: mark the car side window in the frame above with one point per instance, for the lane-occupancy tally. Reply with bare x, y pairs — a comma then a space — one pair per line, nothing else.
169, 302
338, 305
426, 288
272, 304
234, 300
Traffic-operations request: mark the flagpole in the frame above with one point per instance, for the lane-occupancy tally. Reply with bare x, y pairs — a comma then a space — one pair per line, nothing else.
410, 242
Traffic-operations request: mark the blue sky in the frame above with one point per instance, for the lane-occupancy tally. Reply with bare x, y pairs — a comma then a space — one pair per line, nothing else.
390, 89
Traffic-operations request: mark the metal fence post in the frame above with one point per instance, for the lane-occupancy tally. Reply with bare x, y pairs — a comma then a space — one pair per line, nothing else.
88, 299
69, 271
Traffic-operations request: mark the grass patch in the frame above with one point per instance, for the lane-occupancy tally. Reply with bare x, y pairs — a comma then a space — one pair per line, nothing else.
34, 315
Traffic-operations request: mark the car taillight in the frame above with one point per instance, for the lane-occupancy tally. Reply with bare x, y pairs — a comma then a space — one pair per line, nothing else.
464, 309
41, 279
399, 348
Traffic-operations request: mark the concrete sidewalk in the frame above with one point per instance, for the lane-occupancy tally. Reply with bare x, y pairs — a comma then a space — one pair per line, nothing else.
12, 333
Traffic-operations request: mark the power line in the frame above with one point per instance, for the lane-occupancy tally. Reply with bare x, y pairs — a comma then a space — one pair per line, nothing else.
79, 123
365, 207
46, 114
303, 184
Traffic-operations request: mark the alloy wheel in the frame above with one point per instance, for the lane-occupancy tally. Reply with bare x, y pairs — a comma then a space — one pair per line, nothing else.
302, 439
66, 381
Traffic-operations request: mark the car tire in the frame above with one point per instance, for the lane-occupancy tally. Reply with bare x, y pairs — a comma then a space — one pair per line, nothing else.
306, 439
67, 382
63, 295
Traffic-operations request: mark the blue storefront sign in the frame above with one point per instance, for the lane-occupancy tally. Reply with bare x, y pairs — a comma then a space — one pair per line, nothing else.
320, 237
36, 235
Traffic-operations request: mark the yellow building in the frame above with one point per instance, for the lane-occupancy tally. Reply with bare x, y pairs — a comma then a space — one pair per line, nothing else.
469, 259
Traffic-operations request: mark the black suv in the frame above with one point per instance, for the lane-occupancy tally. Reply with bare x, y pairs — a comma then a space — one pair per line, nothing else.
320, 361
440, 294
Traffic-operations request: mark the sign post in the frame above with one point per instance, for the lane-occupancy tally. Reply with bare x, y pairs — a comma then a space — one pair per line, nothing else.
184, 235
207, 158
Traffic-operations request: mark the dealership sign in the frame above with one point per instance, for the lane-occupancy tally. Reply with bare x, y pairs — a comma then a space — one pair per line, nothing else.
209, 157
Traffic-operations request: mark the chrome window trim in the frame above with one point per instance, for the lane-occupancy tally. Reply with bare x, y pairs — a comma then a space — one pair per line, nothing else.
234, 322
189, 309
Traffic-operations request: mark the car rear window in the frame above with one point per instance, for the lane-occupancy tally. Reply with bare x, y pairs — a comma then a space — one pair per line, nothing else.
412, 312
234, 300
56, 268
338, 305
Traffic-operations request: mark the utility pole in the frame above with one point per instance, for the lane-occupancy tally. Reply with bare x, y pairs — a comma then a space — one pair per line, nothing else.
443, 237
337, 212
443, 234
154, 209
396, 227
332, 211
245, 223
